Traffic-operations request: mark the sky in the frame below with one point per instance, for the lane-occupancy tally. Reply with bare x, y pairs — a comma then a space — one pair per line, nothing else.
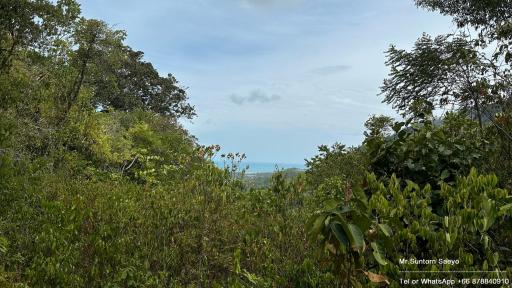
273, 78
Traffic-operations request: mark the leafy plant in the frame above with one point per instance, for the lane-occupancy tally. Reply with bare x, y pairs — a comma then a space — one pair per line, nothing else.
399, 222
424, 151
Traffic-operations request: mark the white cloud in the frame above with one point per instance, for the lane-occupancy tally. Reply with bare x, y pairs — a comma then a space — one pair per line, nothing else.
334, 69
256, 96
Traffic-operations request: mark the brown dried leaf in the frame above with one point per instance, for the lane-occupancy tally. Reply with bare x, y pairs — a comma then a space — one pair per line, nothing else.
376, 278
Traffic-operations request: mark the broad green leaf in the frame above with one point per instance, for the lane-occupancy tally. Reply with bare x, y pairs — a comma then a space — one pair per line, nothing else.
494, 258
341, 211
340, 234
331, 204
362, 221
505, 208
355, 236
378, 253
445, 174
386, 229
316, 225
485, 266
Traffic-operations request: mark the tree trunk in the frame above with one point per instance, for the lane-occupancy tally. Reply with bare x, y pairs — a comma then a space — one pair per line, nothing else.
77, 85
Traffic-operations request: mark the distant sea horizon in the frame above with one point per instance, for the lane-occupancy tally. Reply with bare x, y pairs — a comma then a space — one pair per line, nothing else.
262, 167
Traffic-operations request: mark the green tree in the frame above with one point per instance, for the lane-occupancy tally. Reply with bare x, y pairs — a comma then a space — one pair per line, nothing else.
95, 41
490, 17
446, 71
126, 82
32, 24
378, 126
338, 161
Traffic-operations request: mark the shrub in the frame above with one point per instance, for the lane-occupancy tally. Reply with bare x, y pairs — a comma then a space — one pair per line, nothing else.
395, 220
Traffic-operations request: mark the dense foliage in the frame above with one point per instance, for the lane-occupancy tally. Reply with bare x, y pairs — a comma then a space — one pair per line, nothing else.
424, 152
403, 223
422, 197
100, 186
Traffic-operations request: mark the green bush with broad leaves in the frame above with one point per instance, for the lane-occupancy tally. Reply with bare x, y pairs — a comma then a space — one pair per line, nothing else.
425, 151
367, 236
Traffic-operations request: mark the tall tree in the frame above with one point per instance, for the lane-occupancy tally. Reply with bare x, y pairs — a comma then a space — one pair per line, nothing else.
32, 24
488, 16
491, 19
470, 69
127, 82
95, 41
445, 70
119, 77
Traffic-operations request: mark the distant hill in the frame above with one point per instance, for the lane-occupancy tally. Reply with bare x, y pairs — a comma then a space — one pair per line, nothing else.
263, 167
264, 179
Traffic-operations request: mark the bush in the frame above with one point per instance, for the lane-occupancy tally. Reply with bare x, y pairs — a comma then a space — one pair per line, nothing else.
424, 151
398, 221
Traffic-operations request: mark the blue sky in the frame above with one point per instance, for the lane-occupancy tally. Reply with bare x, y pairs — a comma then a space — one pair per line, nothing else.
273, 78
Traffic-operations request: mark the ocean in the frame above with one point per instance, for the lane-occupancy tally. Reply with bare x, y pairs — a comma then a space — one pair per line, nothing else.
264, 167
